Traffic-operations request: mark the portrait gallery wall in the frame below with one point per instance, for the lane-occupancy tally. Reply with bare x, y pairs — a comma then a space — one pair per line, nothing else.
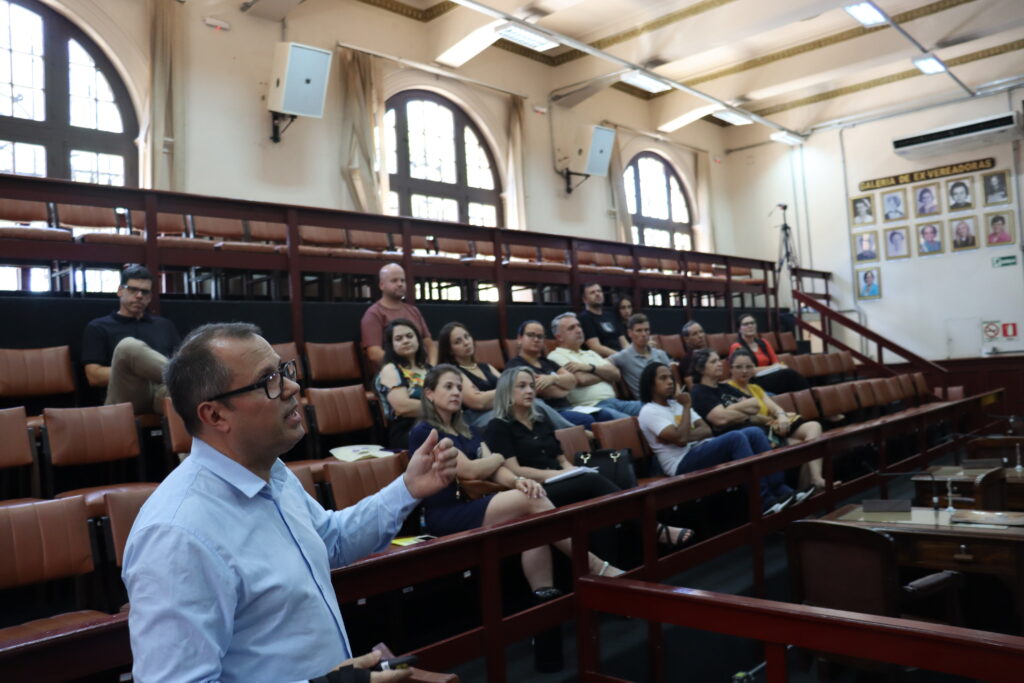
950, 209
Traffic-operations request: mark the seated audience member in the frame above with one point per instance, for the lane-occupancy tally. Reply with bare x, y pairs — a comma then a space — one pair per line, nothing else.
623, 307
228, 564
594, 374
683, 441
694, 339
399, 384
773, 376
632, 360
553, 382
531, 449
446, 514
127, 350
455, 347
782, 430
602, 331
385, 310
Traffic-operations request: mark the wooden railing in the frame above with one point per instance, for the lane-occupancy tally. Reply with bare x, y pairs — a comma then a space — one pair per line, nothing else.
484, 549
932, 647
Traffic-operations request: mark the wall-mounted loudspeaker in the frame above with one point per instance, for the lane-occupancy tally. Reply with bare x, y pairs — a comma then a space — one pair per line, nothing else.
298, 84
592, 150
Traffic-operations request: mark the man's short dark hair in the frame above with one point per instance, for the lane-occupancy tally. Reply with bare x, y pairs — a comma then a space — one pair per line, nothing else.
588, 285
134, 271
195, 373
636, 319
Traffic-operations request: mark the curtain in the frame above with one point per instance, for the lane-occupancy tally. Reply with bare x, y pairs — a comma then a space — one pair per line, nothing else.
515, 205
623, 222
163, 130
362, 110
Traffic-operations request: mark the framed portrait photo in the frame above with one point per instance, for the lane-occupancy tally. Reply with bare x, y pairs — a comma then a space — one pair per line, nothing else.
929, 238
894, 205
999, 229
926, 200
963, 233
897, 243
865, 247
869, 283
996, 186
960, 193
862, 209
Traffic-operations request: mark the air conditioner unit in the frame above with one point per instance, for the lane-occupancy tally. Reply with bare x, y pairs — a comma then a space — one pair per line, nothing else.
990, 130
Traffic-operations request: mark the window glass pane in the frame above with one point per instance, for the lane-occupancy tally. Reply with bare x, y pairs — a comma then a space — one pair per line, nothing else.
629, 181
39, 280
92, 100
483, 214
431, 141
22, 158
635, 233
391, 145
478, 168
21, 63
683, 241
680, 211
10, 278
435, 208
391, 205
653, 188
657, 238
94, 167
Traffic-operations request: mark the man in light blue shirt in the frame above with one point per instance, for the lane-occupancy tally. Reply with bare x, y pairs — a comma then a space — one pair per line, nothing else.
632, 360
228, 564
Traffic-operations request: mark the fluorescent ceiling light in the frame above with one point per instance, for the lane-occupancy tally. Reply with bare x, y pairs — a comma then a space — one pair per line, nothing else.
787, 138
929, 64
469, 46
688, 118
638, 79
866, 13
534, 40
732, 117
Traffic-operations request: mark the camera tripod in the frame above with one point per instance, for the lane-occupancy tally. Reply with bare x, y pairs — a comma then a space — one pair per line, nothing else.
787, 250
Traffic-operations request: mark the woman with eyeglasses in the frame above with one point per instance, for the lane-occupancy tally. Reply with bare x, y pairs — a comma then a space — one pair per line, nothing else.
774, 376
455, 346
527, 440
399, 384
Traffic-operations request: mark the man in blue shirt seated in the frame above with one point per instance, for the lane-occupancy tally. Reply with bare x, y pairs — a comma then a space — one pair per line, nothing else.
228, 564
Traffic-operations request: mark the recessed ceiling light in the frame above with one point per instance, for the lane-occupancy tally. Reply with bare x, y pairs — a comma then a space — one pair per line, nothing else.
535, 40
732, 117
787, 138
866, 13
638, 79
929, 64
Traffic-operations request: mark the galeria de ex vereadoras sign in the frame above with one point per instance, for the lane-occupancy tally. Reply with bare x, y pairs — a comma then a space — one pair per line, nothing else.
930, 174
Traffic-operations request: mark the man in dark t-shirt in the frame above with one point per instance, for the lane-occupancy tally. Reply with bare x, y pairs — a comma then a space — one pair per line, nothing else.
602, 331
127, 350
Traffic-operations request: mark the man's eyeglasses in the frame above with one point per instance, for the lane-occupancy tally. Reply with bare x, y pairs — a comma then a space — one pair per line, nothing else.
272, 384
137, 290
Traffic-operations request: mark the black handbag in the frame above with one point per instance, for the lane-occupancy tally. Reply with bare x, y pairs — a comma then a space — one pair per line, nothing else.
614, 464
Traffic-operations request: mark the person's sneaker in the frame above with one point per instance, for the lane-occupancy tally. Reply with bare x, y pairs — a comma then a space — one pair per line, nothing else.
803, 495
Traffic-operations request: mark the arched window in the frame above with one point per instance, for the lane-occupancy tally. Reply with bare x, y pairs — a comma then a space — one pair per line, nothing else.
657, 203
64, 111
438, 162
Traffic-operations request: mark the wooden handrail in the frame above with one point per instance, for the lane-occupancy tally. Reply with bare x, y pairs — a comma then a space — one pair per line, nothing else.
835, 316
904, 642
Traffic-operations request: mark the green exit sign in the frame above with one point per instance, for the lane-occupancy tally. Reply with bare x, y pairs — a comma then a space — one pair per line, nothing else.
1004, 261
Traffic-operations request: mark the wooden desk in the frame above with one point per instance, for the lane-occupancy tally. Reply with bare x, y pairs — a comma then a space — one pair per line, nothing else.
975, 489
926, 539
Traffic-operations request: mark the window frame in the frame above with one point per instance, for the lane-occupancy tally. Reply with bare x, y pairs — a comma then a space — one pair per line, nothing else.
405, 186
639, 220
56, 133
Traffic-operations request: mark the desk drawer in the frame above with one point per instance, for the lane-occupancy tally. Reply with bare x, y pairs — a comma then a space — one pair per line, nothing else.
975, 556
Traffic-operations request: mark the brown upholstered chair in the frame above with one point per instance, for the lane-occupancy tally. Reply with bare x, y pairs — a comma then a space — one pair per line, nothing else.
908, 392
39, 372
17, 454
805, 405
96, 224
884, 391
787, 342
45, 541
290, 351
350, 482
803, 364
853, 568
720, 342
122, 507
304, 473
848, 364
672, 344
489, 351
625, 433
177, 440
100, 435
335, 364
335, 411
511, 348
785, 401
921, 386
831, 400
573, 440
772, 339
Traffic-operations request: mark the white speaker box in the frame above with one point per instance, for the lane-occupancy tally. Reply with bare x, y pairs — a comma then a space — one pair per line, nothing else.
593, 150
298, 83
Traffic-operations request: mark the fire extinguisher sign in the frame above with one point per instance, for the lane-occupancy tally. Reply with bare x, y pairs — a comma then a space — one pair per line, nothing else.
999, 331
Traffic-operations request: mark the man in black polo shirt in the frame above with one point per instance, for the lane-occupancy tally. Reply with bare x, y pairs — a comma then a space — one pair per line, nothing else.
602, 331
126, 351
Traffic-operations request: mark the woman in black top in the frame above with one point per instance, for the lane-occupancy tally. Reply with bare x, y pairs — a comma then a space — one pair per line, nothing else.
455, 346
722, 406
